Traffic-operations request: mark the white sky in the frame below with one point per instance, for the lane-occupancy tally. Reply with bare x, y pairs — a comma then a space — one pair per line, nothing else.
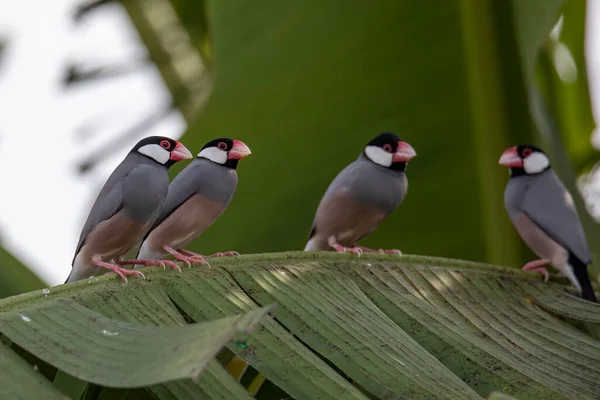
39, 127
40, 142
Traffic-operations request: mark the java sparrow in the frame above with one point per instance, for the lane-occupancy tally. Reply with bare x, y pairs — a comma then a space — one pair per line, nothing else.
543, 213
197, 197
361, 196
126, 208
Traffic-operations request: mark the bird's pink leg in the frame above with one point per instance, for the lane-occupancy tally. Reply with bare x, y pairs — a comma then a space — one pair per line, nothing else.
537, 266
162, 263
116, 269
196, 255
186, 259
382, 251
332, 242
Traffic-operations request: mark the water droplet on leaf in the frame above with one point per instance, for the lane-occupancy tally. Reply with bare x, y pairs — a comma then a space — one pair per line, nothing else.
25, 317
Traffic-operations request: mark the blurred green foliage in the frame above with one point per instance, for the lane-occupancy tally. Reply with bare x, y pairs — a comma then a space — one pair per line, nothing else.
15, 278
306, 86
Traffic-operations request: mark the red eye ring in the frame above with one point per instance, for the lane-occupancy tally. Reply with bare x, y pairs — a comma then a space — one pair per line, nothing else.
222, 146
526, 152
387, 148
165, 144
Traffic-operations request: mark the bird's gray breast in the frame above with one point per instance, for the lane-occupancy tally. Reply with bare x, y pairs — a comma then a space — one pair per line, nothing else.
215, 182
514, 193
372, 185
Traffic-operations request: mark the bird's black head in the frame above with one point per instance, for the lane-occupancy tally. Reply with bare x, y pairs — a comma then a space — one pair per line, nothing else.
525, 159
389, 151
163, 150
224, 151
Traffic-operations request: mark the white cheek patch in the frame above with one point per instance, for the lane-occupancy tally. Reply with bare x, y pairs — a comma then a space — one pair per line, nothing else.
379, 156
155, 152
535, 163
214, 155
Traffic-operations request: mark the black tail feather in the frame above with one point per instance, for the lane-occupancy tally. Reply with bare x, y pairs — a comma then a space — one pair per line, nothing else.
581, 273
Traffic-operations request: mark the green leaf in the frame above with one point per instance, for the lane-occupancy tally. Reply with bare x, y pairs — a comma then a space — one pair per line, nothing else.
369, 347
19, 380
562, 76
500, 396
15, 278
112, 353
271, 349
151, 306
181, 66
345, 327
522, 346
450, 77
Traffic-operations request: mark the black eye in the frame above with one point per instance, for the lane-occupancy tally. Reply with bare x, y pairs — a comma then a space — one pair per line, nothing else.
526, 152
387, 148
222, 146
165, 144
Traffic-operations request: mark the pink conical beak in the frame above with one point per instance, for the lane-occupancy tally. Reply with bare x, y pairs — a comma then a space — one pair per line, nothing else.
404, 152
180, 152
238, 151
510, 158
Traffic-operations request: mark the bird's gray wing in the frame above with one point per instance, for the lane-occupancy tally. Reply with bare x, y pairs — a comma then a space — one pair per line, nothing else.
107, 204
144, 192
550, 206
342, 181
180, 190
368, 185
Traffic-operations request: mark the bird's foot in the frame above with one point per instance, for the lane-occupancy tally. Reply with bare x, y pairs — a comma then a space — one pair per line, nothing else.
339, 248
116, 269
187, 259
381, 251
196, 255
224, 254
162, 263
390, 251
537, 266
355, 250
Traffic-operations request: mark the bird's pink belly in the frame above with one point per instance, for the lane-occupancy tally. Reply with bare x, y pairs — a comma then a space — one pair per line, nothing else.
539, 242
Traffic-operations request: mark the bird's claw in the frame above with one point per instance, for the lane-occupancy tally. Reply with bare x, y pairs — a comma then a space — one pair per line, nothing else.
189, 260
537, 266
121, 272
200, 261
355, 250
184, 259
224, 254
542, 271
390, 251
380, 251
341, 249
172, 265
160, 263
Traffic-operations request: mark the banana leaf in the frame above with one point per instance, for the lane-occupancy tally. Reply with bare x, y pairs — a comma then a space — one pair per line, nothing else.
345, 327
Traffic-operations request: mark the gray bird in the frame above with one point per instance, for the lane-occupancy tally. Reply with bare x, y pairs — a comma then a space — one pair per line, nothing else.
126, 208
543, 213
362, 196
197, 197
